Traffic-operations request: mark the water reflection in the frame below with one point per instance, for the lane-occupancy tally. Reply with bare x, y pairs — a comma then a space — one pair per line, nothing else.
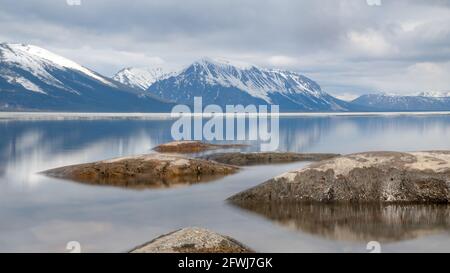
358, 222
27, 147
20, 138
135, 181
40, 213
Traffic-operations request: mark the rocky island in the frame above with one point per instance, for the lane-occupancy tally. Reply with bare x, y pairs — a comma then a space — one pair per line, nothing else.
150, 170
247, 159
192, 146
192, 240
422, 177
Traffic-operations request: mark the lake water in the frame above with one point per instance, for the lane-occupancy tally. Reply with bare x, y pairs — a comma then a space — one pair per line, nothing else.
41, 214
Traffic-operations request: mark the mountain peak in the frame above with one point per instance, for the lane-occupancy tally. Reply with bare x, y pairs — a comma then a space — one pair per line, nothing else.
141, 77
36, 59
222, 81
225, 63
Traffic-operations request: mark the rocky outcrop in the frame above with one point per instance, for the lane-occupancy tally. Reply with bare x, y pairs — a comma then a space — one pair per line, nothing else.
365, 177
359, 222
151, 170
192, 240
187, 147
245, 159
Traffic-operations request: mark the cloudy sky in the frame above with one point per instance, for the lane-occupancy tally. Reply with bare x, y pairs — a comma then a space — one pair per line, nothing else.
347, 46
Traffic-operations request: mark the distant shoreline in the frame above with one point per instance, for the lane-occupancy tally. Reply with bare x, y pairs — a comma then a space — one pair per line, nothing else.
144, 116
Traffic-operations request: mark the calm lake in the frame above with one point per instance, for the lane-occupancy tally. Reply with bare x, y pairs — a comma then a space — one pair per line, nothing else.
42, 214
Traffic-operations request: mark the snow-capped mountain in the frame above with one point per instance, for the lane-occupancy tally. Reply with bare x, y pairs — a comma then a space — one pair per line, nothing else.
425, 101
32, 78
223, 82
37, 61
434, 94
140, 78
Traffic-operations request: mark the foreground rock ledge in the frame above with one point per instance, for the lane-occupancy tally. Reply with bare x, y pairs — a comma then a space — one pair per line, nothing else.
364, 177
152, 170
246, 159
186, 147
192, 240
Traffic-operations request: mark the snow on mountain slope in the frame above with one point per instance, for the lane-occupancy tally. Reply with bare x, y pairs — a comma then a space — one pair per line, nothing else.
421, 102
434, 94
25, 83
37, 60
258, 82
140, 78
226, 82
32, 78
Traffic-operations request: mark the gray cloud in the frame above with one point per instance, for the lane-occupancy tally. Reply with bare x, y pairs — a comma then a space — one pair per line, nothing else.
347, 46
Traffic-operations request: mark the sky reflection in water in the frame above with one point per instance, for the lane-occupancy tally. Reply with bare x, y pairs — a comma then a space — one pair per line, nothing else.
43, 214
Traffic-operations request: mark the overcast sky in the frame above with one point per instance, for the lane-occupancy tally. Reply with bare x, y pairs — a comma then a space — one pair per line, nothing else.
347, 46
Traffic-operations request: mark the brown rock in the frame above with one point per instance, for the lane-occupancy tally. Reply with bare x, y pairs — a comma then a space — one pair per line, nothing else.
192, 240
245, 159
152, 170
364, 177
186, 147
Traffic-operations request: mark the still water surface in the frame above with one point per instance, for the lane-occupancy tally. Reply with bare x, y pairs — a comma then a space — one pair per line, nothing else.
42, 214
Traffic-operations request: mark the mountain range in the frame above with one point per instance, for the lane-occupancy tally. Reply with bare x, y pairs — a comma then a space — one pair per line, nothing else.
35, 79
425, 101
223, 82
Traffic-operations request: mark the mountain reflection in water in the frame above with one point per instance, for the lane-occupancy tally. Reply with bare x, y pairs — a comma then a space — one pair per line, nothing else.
43, 214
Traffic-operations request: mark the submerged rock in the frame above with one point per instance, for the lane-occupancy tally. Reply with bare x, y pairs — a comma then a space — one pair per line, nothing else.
243, 159
362, 222
186, 147
364, 177
192, 240
152, 170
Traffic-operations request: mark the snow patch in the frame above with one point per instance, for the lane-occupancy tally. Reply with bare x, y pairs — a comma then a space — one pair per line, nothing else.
25, 83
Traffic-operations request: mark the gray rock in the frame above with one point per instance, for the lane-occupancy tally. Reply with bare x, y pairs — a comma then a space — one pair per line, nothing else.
187, 147
151, 170
245, 159
364, 177
192, 240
